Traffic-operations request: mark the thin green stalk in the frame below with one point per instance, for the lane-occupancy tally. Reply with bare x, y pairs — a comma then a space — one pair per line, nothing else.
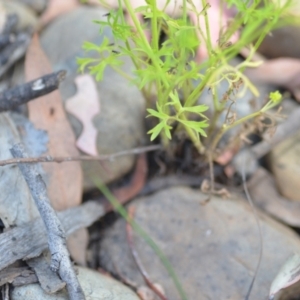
213, 123
152, 56
215, 98
197, 91
126, 41
191, 133
208, 36
121, 210
154, 28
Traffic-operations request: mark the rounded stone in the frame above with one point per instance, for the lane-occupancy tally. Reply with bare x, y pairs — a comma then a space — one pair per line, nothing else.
94, 285
214, 247
26, 16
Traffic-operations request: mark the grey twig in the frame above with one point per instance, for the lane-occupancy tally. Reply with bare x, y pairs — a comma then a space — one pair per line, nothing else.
60, 259
80, 158
14, 51
21, 94
30, 239
49, 281
10, 24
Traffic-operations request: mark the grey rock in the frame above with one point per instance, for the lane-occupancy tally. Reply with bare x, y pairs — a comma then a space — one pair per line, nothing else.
120, 124
285, 164
37, 5
284, 158
282, 42
214, 248
94, 285
26, 16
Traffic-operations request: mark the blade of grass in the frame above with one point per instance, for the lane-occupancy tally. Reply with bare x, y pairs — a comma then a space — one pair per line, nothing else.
121, 210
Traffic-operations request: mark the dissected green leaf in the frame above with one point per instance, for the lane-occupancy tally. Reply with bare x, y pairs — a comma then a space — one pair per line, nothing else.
156, 130
154, 113
197, 126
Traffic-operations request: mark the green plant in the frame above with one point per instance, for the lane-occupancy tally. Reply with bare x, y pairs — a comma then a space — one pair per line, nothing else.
169, 70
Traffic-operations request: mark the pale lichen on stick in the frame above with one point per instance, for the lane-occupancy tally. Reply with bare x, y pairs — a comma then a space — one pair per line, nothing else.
21, 94
60, 259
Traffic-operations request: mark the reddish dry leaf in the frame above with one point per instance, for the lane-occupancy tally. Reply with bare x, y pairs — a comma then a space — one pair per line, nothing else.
47, 113
64, 182
85, 106
56, 8
138, 180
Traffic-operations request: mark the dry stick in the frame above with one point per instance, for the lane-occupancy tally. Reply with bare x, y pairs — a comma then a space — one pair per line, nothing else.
6, 36
30, 240
60, 259
49, 158
6, 39
49, 281
137, 259
14, 51
21, 94
10, 24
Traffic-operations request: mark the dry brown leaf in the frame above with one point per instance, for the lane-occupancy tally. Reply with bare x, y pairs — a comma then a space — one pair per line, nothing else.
85, 106
136, 184
56, 8
65, 180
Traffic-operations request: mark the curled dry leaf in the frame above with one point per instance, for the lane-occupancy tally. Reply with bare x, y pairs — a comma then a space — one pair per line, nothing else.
85, 106
288, 275
137, 182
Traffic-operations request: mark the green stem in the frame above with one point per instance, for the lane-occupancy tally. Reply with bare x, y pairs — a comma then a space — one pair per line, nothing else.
208, 37
122, 211
191, 133
154, 27
149, 50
